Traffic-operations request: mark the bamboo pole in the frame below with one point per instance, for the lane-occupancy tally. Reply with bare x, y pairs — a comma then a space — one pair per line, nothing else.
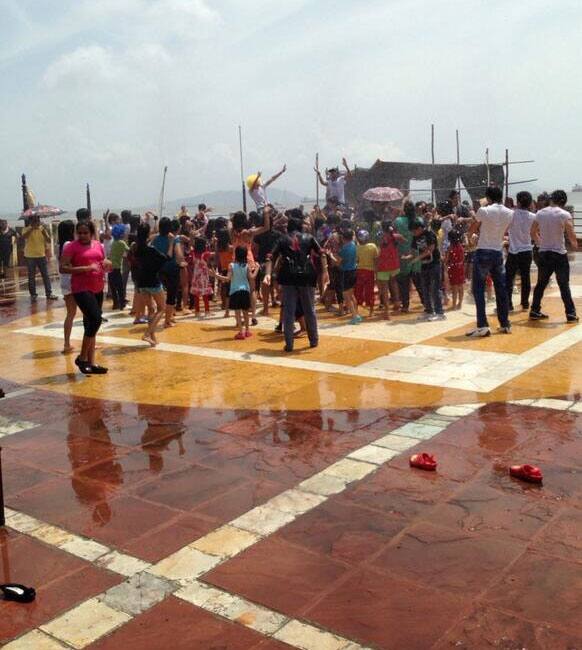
432, 160
317, 180
162, 191
458, 164
506, 173
242, 177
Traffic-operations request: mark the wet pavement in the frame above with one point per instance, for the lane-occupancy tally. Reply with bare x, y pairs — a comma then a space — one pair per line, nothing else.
217, 502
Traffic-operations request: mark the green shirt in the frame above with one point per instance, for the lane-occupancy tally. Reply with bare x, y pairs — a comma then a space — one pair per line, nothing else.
118, 249
405, 247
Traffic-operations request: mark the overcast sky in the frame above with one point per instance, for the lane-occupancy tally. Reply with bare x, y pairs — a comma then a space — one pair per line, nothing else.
108, 91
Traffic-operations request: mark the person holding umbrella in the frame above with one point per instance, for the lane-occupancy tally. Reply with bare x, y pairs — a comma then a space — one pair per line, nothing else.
37, 239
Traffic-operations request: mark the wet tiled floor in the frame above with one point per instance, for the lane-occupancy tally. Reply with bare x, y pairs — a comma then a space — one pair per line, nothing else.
208, 502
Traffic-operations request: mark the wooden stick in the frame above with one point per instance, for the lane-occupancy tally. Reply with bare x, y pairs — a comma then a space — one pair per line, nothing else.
432, 158
242, 176
458, 163
506, 173
317, 180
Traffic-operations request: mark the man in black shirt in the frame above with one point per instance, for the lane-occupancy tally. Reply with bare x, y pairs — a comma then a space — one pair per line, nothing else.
297, 276
427, 251
266, 242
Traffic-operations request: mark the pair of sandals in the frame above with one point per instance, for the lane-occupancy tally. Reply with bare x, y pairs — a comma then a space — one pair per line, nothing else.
17, 593
528, 473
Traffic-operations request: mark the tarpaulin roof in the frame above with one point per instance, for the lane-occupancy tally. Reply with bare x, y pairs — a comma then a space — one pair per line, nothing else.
444, 178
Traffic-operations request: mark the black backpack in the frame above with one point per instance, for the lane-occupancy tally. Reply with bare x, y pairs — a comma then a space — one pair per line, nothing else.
299, 261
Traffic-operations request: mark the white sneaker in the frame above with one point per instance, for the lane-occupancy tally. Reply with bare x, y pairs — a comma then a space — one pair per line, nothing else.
440, 317
479, 333
424, 317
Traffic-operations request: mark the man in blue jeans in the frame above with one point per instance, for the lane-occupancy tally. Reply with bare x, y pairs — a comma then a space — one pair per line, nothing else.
425, 245
491, 223
297, 276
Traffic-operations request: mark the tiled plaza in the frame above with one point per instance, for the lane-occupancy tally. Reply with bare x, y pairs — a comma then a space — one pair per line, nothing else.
214, 494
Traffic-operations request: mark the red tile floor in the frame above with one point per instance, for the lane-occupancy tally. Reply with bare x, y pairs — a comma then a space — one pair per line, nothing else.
464, 558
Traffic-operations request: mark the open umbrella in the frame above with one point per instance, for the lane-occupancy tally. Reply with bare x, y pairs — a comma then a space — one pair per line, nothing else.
383, 194
42, 211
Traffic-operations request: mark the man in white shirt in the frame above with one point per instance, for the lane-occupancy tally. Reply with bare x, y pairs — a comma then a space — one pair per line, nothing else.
335, 185
520, 255
257, 189
549, 230
491, 222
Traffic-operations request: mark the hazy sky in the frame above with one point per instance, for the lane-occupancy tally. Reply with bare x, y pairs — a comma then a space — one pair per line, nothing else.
108, 91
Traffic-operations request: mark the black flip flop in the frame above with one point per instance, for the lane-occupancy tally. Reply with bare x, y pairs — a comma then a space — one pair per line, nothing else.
18, 593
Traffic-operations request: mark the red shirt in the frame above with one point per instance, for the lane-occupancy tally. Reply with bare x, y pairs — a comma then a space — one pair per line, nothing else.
388, 258
85, 255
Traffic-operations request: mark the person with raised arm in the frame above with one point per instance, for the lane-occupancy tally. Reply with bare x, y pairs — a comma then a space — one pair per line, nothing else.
335, 183
257, 189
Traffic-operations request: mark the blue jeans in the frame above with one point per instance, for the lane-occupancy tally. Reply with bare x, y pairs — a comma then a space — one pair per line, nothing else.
430, 276
306, 297
40, 263
489, 262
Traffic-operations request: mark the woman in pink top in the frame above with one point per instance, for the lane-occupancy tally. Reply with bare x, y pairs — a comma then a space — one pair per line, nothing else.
85, 260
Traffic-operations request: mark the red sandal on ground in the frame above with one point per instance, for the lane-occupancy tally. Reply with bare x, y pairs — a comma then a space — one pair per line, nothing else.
423, 461
528, 473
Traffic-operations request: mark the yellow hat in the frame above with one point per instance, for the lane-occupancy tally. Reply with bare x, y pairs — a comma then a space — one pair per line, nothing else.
252, 180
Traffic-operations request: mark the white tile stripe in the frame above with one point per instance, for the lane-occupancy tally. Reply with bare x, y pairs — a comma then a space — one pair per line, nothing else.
93, 619
17, 393
508, 367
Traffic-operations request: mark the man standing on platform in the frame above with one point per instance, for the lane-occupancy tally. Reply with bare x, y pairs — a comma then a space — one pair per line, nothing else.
257, 189
551, 227
491, 222
335, 185
37, 240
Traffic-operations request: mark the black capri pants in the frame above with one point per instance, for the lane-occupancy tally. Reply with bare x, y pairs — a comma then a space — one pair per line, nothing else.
171, 281
90, 305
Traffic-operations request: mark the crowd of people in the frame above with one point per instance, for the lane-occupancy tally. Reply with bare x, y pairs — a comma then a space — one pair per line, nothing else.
354, 262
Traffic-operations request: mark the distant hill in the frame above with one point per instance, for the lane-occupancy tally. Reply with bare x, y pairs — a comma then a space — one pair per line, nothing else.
226, 201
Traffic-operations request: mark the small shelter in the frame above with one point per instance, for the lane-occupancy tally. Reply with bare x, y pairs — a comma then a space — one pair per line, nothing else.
475, 178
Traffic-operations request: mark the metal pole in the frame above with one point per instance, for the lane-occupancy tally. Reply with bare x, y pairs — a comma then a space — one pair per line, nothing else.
458, 164
317, 180
162, 191
506, 173
487, 164
432, 159
242, 175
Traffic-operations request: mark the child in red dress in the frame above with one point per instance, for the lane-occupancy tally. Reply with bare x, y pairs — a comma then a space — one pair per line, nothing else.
455, 264
201, 286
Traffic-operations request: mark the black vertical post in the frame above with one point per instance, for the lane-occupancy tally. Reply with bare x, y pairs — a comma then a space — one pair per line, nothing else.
25, 205
88, 194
